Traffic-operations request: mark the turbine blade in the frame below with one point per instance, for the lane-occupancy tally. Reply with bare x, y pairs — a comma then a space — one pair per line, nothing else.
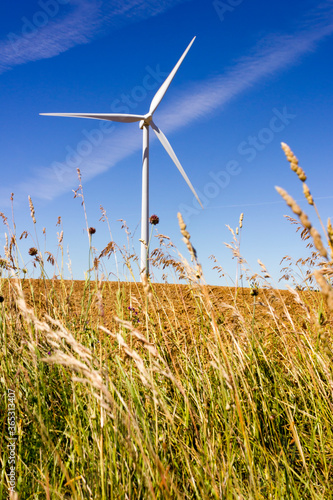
165, 85
174, 158
114, 117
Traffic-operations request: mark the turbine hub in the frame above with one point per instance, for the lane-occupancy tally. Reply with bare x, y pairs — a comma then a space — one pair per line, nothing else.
146, 121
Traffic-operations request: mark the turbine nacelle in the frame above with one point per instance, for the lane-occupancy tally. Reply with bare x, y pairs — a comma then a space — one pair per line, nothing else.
146, 121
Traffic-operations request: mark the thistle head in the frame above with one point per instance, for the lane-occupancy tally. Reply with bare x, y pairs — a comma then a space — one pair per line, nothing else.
154, 220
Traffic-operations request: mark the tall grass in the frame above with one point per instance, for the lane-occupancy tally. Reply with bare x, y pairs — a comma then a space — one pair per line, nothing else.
139, 391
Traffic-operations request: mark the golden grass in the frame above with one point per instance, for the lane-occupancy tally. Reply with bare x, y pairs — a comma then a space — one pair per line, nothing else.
156, 391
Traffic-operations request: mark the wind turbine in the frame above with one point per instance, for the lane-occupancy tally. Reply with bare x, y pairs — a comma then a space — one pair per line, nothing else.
146, 121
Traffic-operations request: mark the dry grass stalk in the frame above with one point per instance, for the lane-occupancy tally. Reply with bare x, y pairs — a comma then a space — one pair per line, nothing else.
299, 301
186, 237
7, 254
318, 242
4, 219
163, 260
330, 229
60, 237
330, 236
263, 267
65, 346
144, 374
304, 220
99, 298
146, 286
138, 335
3, 263
301, 174
108, 250
190, 247
326, 289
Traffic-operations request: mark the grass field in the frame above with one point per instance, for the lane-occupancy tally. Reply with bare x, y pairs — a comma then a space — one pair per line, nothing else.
156, 391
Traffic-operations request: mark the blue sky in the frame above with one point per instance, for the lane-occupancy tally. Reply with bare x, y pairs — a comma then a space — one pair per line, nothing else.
257, 74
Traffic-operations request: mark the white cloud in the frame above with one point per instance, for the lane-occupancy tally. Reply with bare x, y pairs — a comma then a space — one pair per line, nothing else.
278, 54
59, 34
44, 35
59, 178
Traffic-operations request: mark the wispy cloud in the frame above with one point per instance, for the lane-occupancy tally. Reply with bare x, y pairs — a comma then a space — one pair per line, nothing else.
275, 53
55, 180
48, 33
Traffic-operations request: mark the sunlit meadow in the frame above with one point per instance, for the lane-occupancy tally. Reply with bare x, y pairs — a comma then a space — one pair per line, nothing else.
166, 390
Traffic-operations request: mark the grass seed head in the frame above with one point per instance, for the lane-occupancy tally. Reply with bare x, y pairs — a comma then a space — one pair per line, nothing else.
4, 219
289, 200
3, 263
330, 228
330, 236
186, 237
32, 210
293, 162
60, 237
318, 242
108, 250
307, 194
304, 220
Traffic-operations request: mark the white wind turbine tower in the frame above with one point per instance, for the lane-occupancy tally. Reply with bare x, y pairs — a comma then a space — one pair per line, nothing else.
145, 121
